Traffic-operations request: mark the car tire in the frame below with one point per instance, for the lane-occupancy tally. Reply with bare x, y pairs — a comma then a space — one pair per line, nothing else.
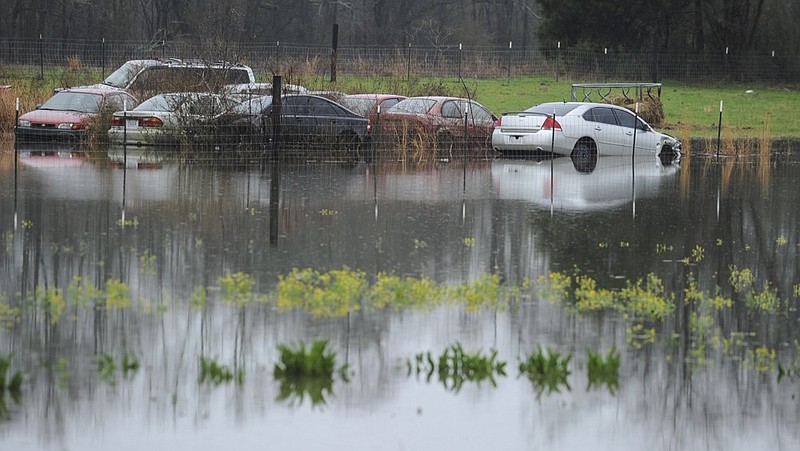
584, 156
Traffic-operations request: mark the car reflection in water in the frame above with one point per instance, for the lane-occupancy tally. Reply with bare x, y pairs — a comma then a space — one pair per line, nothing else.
574, 185
51, 154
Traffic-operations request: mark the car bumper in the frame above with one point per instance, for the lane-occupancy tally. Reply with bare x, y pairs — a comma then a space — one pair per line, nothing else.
528, 142
28, 134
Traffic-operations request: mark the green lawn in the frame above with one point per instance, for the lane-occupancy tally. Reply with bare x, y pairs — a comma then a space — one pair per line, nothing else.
692, 109
689, 110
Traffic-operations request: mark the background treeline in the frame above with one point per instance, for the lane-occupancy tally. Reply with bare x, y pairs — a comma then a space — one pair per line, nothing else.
708, 26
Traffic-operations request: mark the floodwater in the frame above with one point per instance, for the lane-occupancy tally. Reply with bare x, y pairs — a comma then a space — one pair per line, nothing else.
719, 371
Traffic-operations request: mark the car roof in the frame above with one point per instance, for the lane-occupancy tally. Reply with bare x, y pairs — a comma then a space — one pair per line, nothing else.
99, 91
373, 96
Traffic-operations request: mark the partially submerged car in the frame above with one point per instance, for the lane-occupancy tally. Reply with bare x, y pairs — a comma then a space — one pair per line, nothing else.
147, 77
68, 113
439, 119
367, 105
580, 129
304, 119
169, 119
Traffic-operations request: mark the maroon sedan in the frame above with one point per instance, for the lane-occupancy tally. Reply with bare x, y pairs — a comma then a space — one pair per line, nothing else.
68, 114
367, 104
439, 120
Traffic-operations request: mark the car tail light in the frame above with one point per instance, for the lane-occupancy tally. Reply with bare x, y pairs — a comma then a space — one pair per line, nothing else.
550, 124
369, 125
150, 122
499, 122
117, 121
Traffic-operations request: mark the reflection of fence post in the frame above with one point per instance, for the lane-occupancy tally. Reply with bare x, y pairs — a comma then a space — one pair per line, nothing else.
376, 134
163, 47
719, 127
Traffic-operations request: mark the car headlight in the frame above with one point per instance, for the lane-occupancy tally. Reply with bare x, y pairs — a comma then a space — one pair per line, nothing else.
69, 126
24, 123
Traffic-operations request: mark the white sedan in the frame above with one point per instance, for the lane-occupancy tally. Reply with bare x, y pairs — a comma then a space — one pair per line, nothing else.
581, 130
168, 118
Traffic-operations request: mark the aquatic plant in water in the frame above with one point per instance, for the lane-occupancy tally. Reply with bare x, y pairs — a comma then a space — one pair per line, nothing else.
404, 292
547, 370
216, 373
603, 371
331, 294
455, 366
9, 316
10, 383
237, 289
766, 301
303, 372
554, 287
52, 303
761, 359
107, 367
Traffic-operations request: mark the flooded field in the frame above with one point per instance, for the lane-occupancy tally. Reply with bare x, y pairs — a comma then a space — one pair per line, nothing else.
519, 304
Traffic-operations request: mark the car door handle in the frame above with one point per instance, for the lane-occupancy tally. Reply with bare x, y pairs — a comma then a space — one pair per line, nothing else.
629, 133
597, 129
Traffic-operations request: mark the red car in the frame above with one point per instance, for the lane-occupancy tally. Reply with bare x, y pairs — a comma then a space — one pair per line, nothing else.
439, 120
68, 114
367, 104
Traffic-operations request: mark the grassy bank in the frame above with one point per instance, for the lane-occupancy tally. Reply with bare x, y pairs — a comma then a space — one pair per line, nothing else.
690, 111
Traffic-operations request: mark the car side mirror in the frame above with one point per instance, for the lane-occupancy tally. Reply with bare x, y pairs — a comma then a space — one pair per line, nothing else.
38, 106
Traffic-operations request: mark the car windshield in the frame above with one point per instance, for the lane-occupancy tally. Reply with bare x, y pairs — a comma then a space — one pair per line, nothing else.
81, 102
123, 76
560, 109
420, 106
254, 106
358, 105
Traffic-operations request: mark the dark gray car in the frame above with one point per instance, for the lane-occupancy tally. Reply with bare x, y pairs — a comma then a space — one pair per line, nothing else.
304, 119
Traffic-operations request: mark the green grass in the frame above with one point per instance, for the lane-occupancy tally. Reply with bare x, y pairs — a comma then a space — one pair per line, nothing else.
691, 111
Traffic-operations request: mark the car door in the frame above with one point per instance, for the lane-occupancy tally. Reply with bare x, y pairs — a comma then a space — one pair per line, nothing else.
294, 118
645, 138
608, 135
323, 119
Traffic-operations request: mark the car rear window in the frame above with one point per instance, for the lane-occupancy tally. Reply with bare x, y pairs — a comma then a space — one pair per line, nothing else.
560, 109
358, 105
419, 106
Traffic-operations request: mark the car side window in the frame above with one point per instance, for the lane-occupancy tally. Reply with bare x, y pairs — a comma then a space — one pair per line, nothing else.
319, 107
388, 103
451, 109
478, 113
625, 118
604, 115
296, 106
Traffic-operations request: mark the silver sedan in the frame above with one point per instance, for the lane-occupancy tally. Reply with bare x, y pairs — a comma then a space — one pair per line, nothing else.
578, 129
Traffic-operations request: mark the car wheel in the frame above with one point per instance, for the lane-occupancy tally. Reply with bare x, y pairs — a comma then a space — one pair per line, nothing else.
584, 156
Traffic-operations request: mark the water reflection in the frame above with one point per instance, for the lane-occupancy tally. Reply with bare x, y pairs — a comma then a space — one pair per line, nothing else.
566, 184
79, 281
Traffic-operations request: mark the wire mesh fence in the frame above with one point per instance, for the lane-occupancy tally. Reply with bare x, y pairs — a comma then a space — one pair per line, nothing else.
416, 61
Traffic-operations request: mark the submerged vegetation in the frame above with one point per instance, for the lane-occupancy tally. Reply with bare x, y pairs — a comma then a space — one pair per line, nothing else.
455, 366
547, 371
303, 372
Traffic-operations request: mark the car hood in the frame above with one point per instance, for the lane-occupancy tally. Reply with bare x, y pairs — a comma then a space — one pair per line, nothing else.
55, 117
